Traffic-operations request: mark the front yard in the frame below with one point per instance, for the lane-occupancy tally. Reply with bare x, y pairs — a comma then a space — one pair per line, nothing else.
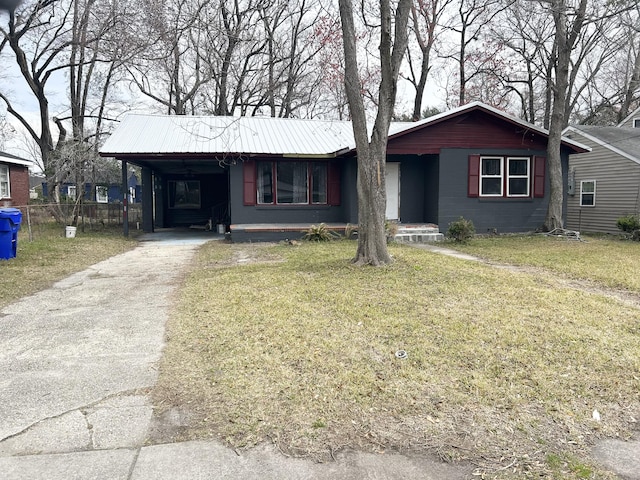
503, 368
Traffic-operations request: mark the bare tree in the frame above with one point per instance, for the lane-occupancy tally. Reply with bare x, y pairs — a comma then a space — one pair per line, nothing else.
372, 246
426, 16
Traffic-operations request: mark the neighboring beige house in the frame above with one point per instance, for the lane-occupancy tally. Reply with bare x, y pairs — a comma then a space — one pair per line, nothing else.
632, 120
604, 184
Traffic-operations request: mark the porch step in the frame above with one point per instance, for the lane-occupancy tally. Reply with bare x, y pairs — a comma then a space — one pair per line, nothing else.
418, 234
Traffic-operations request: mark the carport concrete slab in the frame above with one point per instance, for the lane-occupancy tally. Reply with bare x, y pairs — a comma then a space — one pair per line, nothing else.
99, 465
207, 460
621, 457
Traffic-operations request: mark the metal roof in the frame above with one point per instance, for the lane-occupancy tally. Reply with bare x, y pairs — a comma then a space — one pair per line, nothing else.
176, 134
172, 134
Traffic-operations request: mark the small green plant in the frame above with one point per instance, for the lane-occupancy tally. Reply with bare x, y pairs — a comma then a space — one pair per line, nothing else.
319, 233
461, 230
628, 223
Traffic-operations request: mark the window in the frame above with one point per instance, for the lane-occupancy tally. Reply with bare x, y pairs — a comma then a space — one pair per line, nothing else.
102, 194
518, 177
588, 193
5, 191
292, 183
636, 123
491, 177
505, 176
184, 194
71, 192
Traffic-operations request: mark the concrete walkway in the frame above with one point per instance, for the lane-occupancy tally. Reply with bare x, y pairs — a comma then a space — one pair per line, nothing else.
78, 360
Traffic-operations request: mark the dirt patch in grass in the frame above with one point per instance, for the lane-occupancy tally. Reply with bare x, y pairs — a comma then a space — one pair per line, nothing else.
297, 346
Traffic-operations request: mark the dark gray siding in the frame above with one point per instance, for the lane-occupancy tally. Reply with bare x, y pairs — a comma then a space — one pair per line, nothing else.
311, 214
418, 187
503, 215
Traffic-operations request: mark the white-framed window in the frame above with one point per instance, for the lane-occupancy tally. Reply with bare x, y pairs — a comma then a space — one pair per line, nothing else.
102, 194
491, 177
5, 189
518, 176
588, 193
505, 176
636, 123
71, 192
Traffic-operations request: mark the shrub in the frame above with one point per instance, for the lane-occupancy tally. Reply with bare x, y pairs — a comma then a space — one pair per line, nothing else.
628, 223
461, 230
319, 233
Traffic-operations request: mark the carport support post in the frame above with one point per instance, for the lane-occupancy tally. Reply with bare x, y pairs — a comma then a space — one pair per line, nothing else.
125, 200
147, 200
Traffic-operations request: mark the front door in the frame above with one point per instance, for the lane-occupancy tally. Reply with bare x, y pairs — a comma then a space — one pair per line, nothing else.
392, 182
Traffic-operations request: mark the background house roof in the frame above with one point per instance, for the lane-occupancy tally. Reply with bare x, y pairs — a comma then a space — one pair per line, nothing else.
8, 158
621, 140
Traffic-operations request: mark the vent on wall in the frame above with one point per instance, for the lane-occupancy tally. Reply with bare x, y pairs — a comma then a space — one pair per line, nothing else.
571, 183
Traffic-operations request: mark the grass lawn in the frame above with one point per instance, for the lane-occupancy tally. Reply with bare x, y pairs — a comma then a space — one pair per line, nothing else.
606, 260
51, 257
293, 344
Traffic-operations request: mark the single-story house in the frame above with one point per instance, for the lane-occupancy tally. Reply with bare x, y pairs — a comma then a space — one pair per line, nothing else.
604, 184
265, 177
14, 180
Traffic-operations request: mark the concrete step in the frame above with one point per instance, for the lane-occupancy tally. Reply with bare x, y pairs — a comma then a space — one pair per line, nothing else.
415, 237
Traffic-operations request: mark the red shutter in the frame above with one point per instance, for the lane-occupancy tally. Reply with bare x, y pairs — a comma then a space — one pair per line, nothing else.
333, 183
538, 176
474, 176
249, 182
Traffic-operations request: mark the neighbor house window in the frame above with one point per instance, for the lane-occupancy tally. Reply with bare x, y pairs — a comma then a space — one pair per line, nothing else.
636, 123
71, 192
102, 194
5, 191
184, 194
588, 193
291, 183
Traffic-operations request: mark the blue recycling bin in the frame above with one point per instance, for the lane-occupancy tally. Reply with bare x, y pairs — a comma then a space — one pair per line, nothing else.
10, 219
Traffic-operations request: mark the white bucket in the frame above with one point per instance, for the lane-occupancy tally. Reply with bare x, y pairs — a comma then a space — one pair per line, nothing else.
70, 232
221, 228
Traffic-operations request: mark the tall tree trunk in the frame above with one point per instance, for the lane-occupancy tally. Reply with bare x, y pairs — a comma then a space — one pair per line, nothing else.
372, 243
565, 40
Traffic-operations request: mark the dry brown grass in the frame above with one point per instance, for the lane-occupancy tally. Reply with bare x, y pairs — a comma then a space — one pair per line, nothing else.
297, 346
51, 257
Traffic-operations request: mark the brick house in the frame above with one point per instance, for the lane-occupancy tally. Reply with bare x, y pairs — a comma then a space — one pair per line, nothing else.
14, 180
